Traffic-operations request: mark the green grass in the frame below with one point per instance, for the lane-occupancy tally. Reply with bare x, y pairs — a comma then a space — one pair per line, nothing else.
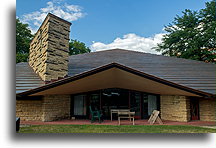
115, 129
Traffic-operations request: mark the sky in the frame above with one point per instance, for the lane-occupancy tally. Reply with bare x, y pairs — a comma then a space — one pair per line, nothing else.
106, 24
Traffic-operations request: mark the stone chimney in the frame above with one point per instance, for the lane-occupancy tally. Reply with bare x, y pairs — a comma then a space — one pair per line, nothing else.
49, 50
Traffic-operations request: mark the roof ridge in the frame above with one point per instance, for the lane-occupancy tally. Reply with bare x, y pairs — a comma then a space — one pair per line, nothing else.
171, 57
107, 50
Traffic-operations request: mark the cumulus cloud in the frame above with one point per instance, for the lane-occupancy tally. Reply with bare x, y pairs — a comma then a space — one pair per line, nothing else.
131, 41
56, 7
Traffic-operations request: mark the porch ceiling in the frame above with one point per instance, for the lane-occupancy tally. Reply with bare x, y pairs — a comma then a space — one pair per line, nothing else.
115, 77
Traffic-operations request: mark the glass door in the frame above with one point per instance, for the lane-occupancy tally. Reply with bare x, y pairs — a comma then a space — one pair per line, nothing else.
152, 103
114, 98
95, 101
145, 107
149, 103
80, 105
135, 103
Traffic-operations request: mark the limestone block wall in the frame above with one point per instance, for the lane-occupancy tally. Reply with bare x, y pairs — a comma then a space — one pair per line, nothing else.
29, 110
207, 108
56, 107
175, 108
46, 108
48, 55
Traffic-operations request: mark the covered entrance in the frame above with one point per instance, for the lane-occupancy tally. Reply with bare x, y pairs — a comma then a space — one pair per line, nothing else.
114, 98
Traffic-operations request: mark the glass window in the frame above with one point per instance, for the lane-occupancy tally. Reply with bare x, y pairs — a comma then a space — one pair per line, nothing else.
135, 98
152, 103
145, 106
95, 101
80, 105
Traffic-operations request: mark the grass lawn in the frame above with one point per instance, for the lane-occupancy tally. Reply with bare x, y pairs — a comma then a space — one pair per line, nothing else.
115, 129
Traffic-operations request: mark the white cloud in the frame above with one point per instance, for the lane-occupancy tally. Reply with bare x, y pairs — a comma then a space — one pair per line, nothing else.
131, 42
56, 7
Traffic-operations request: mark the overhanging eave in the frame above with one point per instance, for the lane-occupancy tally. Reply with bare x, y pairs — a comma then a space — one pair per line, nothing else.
114, 76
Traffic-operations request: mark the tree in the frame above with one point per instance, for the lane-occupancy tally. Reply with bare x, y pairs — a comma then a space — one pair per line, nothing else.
192, 35
21, 57
208, 20
77, 47
23, 39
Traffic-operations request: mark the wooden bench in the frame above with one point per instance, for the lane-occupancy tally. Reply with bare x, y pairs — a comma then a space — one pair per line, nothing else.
125, 115
115, 111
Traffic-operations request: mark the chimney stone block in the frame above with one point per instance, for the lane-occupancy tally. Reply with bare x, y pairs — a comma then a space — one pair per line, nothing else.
48, 55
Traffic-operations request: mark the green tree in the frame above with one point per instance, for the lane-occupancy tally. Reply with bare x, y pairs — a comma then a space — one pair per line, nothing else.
192, 35
21, 57
208, 20
23, 39
77, 47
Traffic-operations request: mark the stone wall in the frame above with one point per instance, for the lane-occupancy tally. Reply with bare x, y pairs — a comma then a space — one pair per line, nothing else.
56, 107
47, 108
207, 109
175, 108
29, 110
48, 55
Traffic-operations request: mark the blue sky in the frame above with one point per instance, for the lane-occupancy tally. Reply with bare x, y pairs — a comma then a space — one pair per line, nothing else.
103, 24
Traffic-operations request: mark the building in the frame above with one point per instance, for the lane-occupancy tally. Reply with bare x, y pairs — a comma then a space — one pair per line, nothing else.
53, 86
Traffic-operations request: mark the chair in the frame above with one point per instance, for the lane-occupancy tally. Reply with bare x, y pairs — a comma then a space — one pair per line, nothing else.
95, 115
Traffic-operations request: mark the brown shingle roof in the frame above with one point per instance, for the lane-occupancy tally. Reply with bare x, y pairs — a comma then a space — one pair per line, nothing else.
113, 75
189, 73
26, 78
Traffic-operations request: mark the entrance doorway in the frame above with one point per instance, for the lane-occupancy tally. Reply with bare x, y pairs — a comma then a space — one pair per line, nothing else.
194, 104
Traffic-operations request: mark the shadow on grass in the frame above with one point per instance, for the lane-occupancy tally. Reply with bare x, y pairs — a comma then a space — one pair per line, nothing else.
108, 136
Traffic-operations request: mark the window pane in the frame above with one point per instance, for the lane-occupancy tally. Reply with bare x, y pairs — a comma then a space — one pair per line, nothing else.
152, 103
80, 105
135, 103
95, 101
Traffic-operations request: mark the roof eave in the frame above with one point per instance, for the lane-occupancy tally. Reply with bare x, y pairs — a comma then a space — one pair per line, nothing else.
116, 65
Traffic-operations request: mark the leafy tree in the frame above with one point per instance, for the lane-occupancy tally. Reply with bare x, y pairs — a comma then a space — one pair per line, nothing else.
21, 57
192, 35
23, 39
77, 47
208, 20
